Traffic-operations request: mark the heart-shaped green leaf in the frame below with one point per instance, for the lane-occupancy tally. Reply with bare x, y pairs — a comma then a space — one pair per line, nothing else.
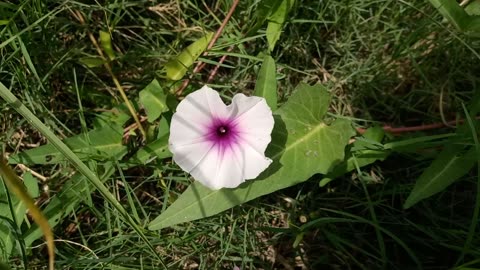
302, 145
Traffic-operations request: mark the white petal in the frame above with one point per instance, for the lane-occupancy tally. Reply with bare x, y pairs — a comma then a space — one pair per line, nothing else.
220, 169
254, 121
252, 114
188, 156
254, 162
194, 114
208, 163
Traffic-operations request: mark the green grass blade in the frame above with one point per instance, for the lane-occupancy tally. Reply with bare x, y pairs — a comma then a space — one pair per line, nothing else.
74, 160
476, 210
15, 184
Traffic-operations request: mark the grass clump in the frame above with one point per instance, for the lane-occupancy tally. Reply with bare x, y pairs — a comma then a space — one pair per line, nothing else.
385, 63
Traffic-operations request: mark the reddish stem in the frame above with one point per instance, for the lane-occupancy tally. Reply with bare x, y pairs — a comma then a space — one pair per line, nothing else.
200, 64
215, 69
399, 130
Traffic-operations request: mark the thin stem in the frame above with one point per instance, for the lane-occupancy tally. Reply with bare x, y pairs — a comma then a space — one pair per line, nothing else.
399, 130
200, 65
76, 162
107, 66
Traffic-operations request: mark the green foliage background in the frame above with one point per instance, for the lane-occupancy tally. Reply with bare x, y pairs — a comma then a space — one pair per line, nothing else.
379, 201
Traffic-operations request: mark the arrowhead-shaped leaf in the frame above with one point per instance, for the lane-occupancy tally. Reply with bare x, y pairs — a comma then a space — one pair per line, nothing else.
452, 163
302, 145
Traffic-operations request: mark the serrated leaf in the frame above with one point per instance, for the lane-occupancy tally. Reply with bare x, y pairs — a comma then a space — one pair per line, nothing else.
367, 154
106, 42
266, 85
153, 100
177, 67
302, 145
451, 164
103, 143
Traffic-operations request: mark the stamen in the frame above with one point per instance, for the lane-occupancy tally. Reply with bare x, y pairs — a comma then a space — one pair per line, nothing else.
222, 130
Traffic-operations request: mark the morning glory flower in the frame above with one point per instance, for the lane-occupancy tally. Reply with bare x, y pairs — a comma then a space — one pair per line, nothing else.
221, 146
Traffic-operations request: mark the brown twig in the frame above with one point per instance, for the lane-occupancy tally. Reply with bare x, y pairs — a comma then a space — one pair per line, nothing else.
215, 69
200, 65
399, 130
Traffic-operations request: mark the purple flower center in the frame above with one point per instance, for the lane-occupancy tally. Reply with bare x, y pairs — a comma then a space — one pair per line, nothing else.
222, 133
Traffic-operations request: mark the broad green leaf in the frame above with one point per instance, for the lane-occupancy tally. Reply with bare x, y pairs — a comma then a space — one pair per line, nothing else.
106, 42
116, 116
102, 143
266, 85
458, 16
276, 21
368, 152
92, 62
73, 192
178, 66
153, 100
274, 30
452, 163
302, 145
156, 149
451, 10
473, 8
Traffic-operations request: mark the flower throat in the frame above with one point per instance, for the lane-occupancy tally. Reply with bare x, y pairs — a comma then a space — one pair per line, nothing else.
222, 131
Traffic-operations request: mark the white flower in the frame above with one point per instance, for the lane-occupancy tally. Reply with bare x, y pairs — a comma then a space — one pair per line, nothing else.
219, 145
